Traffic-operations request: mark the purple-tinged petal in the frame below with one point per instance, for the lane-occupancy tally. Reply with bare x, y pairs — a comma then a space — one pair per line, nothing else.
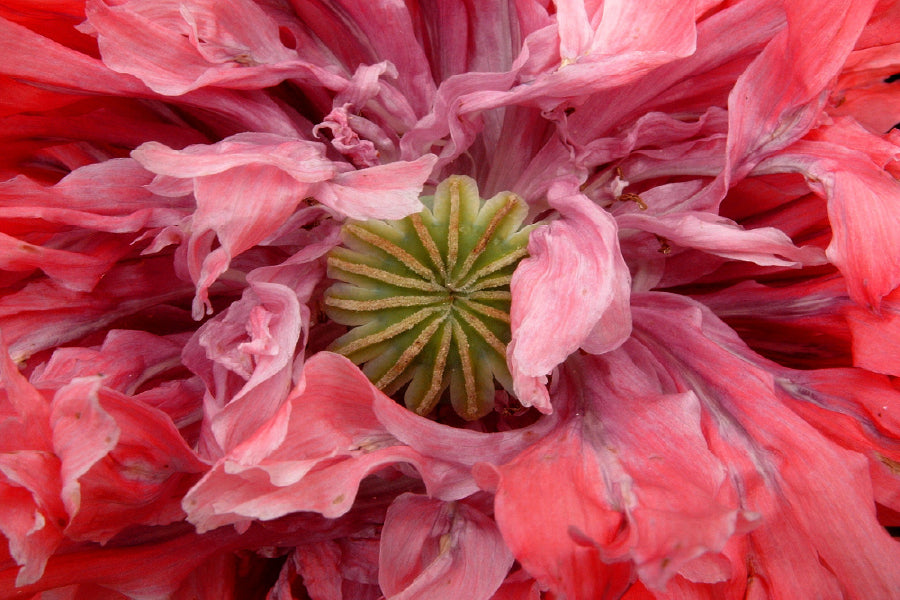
625, 484
808, 491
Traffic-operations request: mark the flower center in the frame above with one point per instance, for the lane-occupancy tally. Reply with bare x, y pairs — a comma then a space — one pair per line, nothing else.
428, 297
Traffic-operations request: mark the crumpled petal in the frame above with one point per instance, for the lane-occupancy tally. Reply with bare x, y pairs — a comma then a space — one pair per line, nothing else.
247, 185
312, 454
175, 47
32, 515
335, 429
778, 98
808, 491
123, 463
571, 292
767, 246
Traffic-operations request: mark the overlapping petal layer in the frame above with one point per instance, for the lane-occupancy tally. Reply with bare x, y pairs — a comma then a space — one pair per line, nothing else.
704, 333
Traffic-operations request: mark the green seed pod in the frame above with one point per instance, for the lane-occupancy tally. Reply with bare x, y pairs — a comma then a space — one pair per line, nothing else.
428, 297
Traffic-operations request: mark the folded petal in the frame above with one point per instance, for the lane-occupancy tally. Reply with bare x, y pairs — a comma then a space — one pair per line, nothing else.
723, 237
440, 550
176, 47
123, 463
863, 201
312, 454
778, 98
571, 292
625, 484
806, 489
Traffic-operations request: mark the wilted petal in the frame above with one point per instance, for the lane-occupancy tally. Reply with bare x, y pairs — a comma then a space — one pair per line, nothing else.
571, 292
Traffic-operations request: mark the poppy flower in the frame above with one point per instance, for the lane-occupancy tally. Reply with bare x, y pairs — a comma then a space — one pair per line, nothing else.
502, 300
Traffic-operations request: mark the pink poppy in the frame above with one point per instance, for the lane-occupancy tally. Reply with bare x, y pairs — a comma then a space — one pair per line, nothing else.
632, 268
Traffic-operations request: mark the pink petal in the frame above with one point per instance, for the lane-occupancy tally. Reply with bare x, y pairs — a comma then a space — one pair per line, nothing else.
125, 568
31, 514
312, 454
304, 161
83, 433
42, 315
808, 490
231, 44
249, 184
388, 191
859, 411
247, 355
717, 235
619, 483
126, 359
570, 293
863, 201
876, 337
123, 463
31, 518
261, 356
440, 550
778, 98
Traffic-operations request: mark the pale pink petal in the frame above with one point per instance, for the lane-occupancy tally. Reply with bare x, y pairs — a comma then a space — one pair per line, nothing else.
261, 356
570, 293
723, 237
440, 550
312, 454
304, 161
388, 191
231, 44
246, 186
246, 355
